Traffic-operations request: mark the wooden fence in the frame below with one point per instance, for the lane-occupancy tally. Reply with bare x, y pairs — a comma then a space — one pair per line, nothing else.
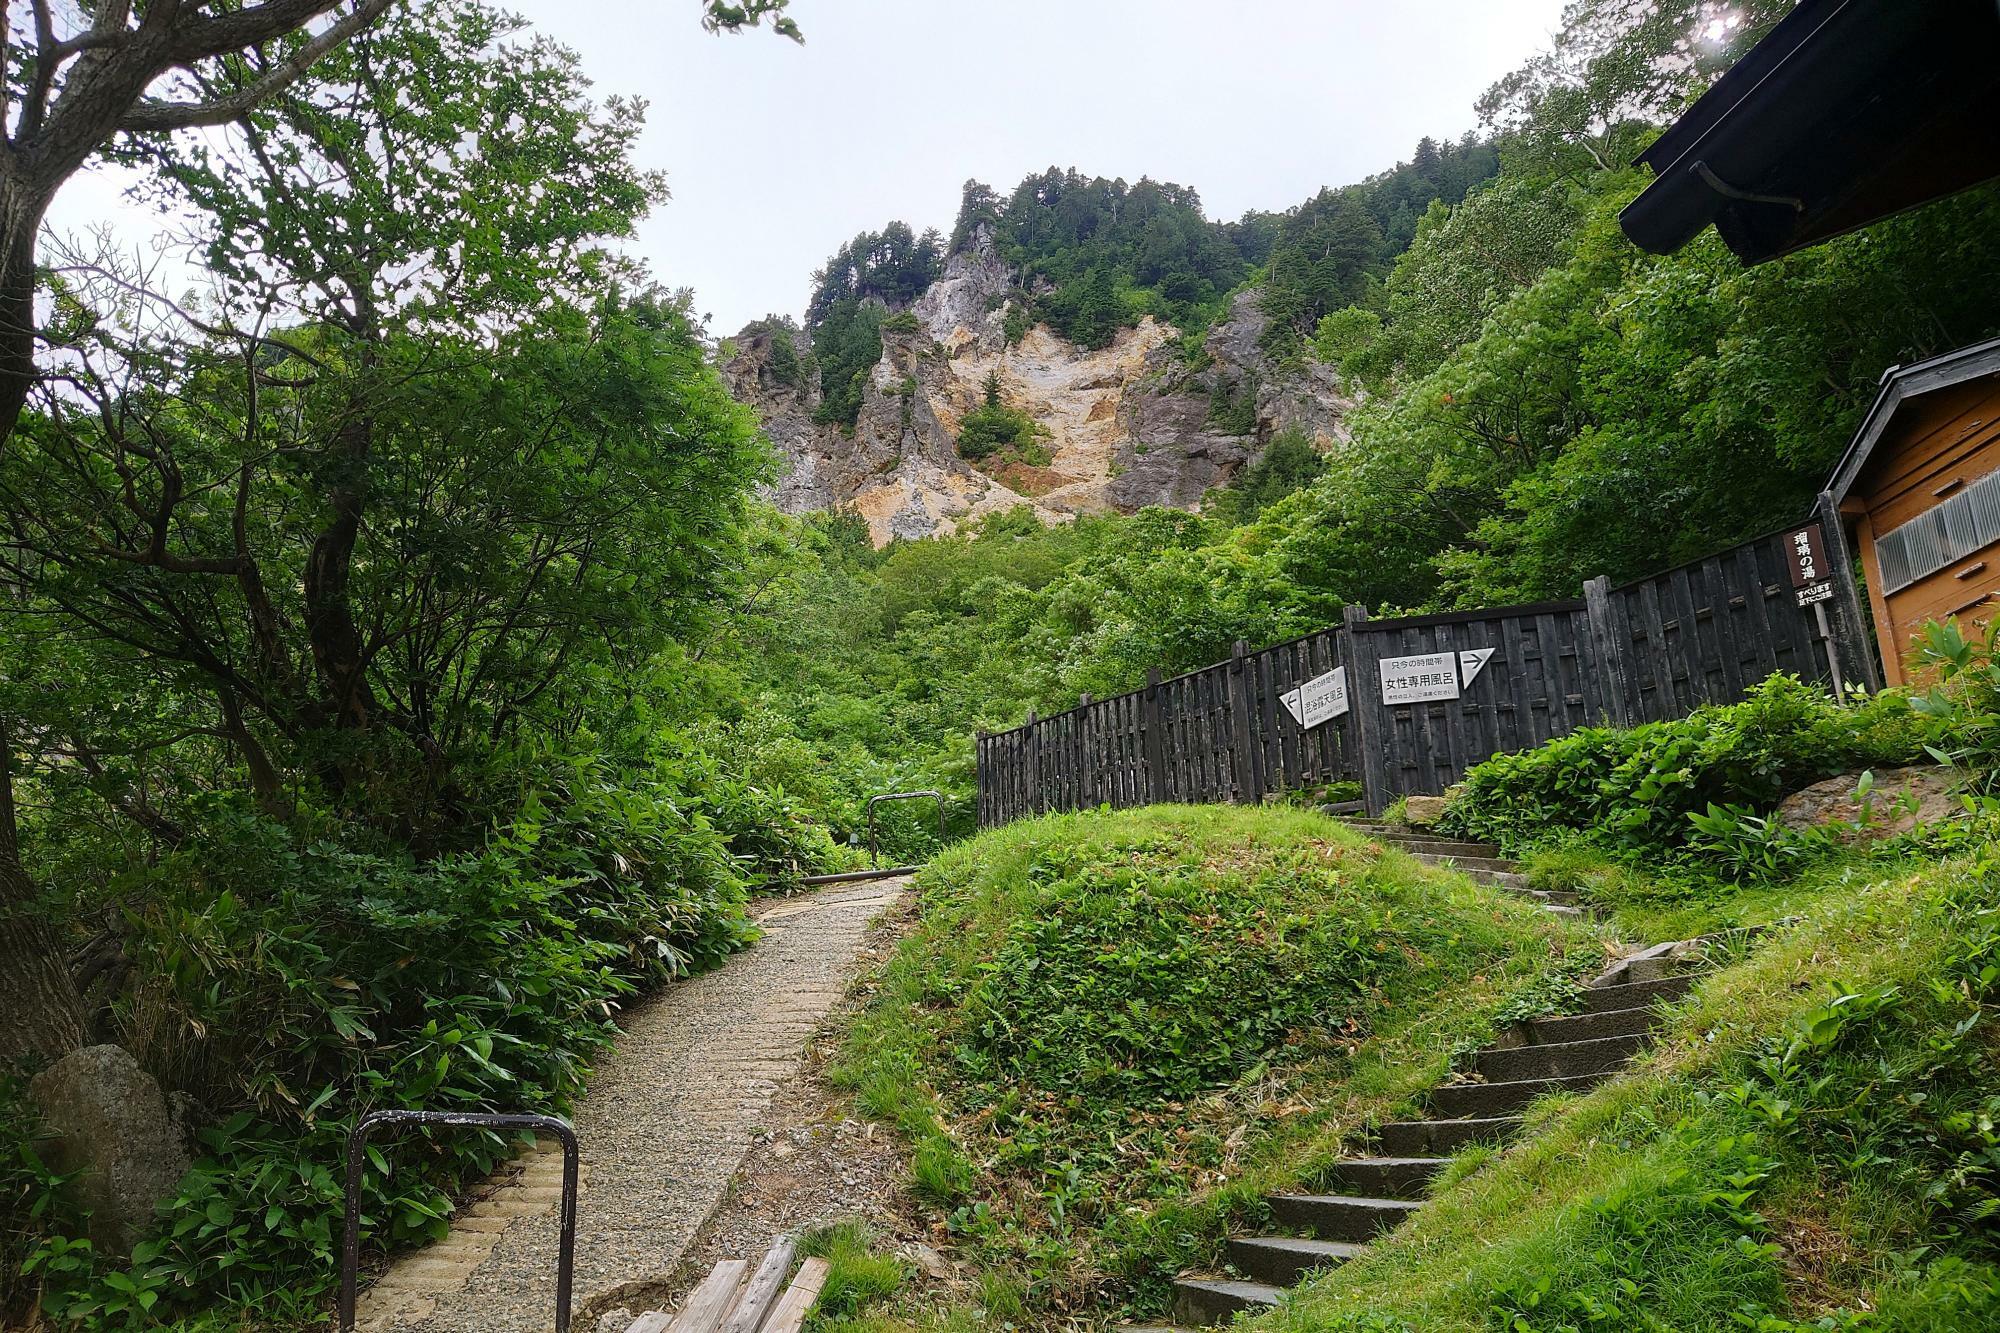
1657, 648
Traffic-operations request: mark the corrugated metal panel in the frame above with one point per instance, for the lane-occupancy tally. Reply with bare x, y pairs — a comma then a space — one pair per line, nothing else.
1940, 536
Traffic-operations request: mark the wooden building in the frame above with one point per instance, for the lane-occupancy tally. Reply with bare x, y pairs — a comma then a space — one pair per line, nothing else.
1918, 493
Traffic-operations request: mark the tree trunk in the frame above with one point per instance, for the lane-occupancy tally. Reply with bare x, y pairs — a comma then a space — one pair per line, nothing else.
22, 206
41, 1013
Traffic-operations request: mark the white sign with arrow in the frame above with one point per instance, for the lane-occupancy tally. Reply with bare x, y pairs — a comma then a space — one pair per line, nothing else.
1472, 661
1319, 700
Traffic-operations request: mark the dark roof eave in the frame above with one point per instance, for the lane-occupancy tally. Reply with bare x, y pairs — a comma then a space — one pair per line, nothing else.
1824, 127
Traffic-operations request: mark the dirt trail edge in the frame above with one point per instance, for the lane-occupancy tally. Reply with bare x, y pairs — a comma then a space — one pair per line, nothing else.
665, 1125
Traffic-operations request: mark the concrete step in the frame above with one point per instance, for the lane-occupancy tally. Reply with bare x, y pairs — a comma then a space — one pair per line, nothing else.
1581, 1027
1599, 999
1492, 865
1567, 1059
1653, 969
1457, 1101
1417, 1137
1283, 1260
1203, 1301
1499, 879
1385, 1177
1422, 844
1339, 1216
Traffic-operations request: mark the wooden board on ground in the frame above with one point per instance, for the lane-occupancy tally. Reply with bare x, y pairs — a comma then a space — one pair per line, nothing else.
797, 1302
708, 1303
763, 1289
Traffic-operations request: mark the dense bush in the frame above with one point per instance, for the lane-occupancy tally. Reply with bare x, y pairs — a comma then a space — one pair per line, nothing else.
1634, 789
993, 426
297, 980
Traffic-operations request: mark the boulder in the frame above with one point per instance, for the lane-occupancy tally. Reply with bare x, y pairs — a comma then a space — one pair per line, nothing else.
113, 1124
1900, 799
1424, 811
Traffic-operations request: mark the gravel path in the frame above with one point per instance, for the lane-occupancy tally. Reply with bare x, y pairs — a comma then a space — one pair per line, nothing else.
667, 1120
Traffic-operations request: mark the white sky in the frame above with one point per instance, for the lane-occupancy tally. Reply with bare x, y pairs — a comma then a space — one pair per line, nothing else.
778, 153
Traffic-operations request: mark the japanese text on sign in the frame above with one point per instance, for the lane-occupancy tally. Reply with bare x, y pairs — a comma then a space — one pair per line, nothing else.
1806, 550
1410, 680
1319, 700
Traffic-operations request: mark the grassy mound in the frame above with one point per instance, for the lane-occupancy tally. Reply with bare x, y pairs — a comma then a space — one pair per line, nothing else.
1111, 1032
1813, 1146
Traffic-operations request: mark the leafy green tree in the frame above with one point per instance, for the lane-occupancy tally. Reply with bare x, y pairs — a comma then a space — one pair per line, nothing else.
1613, 71
1289, 463
871, 276
1326, 254
423, 462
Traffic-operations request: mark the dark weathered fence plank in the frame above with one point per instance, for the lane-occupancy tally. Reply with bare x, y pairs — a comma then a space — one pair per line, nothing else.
1705, 632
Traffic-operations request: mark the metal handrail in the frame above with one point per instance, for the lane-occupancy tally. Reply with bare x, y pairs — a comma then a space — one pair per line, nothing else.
350, 1250
874, 853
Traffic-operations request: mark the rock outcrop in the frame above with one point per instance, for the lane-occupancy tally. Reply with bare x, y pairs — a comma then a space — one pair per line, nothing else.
1898, 800
1125, 426
113, 1125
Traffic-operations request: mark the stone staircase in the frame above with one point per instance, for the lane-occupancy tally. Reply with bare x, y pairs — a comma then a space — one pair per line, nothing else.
1369, 1195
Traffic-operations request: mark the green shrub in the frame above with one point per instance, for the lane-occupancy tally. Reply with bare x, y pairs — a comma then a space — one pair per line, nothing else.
774, 839
297, 982
993, 426
1636, 789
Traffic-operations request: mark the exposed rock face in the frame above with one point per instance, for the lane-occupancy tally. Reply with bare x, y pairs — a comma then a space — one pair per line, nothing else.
113, 1124
1901, 799
1127, 426
965, 303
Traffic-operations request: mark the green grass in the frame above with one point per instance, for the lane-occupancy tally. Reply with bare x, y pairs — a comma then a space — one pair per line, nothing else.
1811, 1146
1110, 1034
857, 1277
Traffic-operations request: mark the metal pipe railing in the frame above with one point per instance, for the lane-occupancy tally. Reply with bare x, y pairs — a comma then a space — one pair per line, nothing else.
350, 1249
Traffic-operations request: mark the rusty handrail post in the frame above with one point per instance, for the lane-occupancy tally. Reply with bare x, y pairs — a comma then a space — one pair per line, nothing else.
350, 1250
874, 854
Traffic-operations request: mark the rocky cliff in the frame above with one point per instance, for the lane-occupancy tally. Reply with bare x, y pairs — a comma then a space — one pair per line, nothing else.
1126, 426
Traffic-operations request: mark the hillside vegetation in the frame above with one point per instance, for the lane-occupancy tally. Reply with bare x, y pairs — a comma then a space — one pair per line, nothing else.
399, 673
1094, 1040
1108, 1032
1811, 1146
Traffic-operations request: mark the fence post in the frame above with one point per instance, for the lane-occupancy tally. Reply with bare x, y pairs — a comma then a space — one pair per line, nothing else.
1249, 791
1041, 805
1611, 649
981, 766
1851, 622
1154, 726
1088, 774
1364, 699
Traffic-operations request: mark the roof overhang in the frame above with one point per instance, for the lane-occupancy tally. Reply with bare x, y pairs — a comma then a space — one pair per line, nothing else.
1901, 384
1846, 112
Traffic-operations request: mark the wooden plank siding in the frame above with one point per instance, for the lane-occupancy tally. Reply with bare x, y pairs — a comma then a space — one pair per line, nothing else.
1935, 447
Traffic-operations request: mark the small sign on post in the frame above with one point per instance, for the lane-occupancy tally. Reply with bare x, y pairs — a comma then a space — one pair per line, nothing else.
1319, 700
1812, 584
1417, 679
1806, 548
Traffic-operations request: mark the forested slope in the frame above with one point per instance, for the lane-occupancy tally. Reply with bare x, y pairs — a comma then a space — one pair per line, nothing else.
402, 669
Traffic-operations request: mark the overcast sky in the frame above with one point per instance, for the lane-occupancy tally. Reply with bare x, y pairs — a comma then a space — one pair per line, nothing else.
777, 153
